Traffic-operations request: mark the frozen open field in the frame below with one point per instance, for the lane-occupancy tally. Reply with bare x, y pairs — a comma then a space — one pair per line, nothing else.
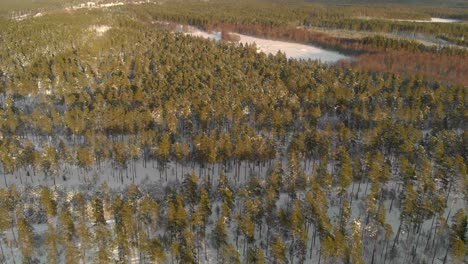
432, 20
292, 50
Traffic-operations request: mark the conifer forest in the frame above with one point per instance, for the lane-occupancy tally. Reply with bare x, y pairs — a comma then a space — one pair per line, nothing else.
187, 131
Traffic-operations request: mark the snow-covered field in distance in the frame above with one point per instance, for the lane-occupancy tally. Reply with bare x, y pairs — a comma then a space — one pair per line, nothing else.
432, 20
443, 20
292, 50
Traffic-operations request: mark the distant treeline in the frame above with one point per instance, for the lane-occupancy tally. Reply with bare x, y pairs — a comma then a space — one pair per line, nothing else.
452, 32
347, 46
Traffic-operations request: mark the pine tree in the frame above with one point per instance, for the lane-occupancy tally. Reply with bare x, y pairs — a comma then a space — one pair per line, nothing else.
25, 239
278, 251
157, 253
130, 226
82, 230
200, 219
50, 161
103, 243
255, 256
67, 231
5, 222
219, 235
190, 189
98, 211
164, 148
458, 237
345, 174
85, 158
229, 255
460, 225
149, 214
51, 244
355, 243
49, 204
458, 250
298, 232
122, 237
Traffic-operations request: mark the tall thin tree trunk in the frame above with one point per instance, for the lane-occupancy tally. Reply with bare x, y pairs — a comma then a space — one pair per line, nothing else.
311, 246
430, 232
204, 248
373, 252
267, 239
450, 211
397, 235
433, 256
12, 255
292, 250
416, 246
358, 189
4, 178
3, 253
320, 254
446, 254
384, 251
434, 238
367, 186
12, 230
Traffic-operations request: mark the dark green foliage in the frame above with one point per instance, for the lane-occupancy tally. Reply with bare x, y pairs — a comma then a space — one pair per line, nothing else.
280, 150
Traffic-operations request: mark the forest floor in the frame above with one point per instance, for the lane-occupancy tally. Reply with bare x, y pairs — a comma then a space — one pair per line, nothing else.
153, 180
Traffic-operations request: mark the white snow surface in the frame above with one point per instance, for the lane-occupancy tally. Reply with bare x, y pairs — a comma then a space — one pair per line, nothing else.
291, 50
206, 35
432, 20
112, 4
444, 20
100, 29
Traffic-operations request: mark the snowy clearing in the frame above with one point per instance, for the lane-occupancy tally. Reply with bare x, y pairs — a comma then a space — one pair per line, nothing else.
443, 20
292, 50
99, 29
203, 34
432, 20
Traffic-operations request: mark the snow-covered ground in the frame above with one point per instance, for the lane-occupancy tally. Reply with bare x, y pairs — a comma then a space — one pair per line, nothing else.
99, 29
203, 34
151, 180
292, 50
88, 5
21, 17
432, 20
444, 20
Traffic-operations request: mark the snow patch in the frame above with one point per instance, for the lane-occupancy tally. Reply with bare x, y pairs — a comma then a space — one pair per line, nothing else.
100, 30
432, 20
444, 20
112, 4
215, 36
21, 17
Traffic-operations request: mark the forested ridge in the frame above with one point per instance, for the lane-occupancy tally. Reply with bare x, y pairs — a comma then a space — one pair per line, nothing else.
121, 142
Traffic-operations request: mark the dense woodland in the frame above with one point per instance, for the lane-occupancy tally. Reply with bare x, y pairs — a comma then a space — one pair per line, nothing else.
249, 158
292, 22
